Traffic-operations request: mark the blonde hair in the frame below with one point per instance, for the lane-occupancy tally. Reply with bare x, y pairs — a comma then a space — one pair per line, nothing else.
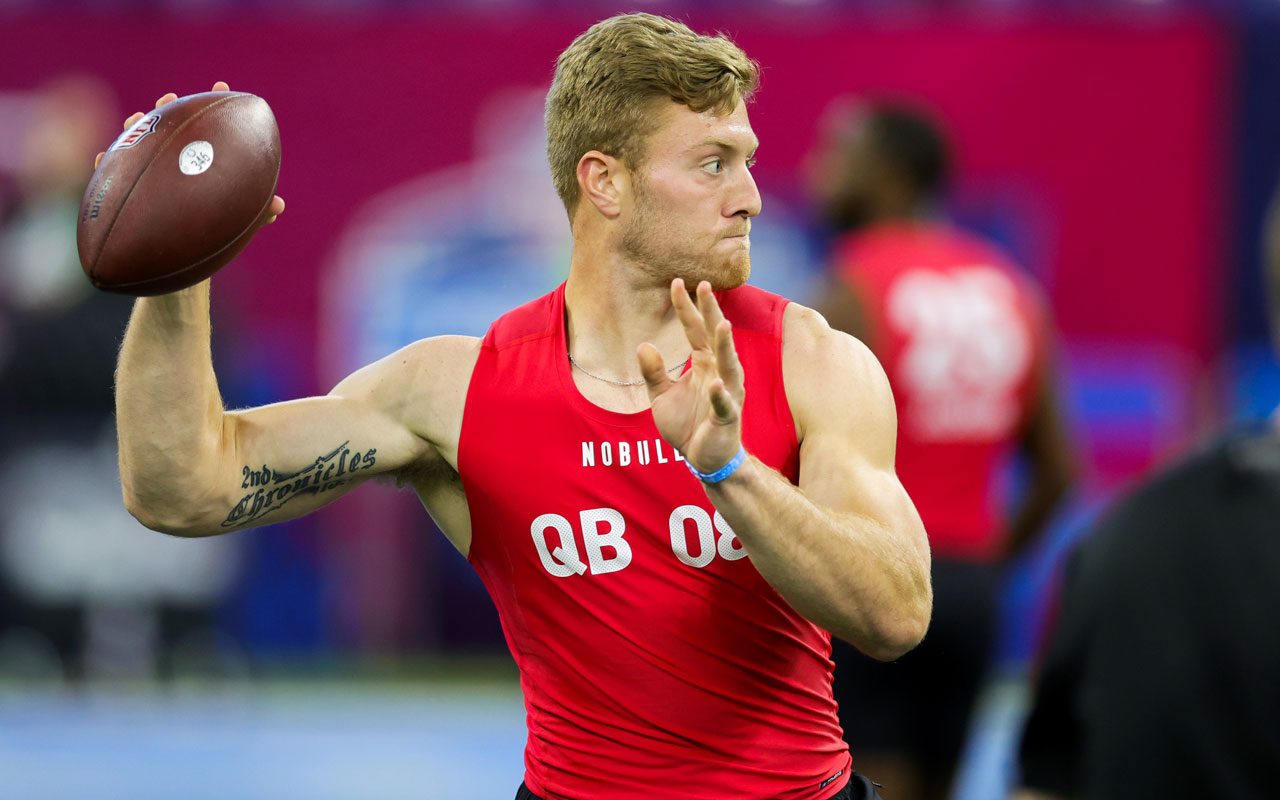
606, 81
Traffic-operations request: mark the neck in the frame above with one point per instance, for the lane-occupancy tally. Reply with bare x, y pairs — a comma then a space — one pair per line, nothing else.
613, 306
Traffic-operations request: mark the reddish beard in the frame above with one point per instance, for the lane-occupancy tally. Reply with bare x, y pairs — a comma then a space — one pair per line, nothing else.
648, 243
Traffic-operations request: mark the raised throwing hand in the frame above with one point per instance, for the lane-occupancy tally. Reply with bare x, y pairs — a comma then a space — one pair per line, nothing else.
277, 202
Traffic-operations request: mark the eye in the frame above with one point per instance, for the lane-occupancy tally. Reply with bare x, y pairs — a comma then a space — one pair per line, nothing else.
714, 167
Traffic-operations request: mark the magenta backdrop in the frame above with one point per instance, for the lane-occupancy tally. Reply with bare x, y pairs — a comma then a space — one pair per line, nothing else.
1103, 144
1114, 132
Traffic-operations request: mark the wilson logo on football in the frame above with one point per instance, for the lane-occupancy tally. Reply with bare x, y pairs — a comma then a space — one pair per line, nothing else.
139, 131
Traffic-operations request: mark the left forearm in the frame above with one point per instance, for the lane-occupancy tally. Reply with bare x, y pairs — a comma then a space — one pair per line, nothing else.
863, 577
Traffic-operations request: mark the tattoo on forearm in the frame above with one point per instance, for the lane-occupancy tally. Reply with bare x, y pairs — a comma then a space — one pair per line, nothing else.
270, 489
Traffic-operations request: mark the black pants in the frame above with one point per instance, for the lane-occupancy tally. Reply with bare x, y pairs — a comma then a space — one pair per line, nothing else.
921, 705
858, 788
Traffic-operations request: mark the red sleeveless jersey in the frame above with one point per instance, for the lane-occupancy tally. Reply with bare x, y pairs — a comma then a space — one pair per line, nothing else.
960, 333
655, 660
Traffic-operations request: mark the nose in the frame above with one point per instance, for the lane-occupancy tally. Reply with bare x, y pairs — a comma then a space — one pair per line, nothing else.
744, 199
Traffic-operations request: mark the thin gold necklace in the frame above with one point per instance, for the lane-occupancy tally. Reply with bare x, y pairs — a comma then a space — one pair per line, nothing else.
640, 382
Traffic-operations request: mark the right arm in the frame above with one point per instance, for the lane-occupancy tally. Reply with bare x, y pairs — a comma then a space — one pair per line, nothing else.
190, 468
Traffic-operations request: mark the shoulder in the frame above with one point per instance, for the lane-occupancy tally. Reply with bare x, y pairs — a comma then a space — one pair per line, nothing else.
752, 309
422, 385
440, 354
535, 319
437, 358
808, 339
830, 376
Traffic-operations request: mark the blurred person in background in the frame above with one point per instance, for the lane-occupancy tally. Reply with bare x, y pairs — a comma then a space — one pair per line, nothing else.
1162, 676
64, 613
57, 338
966, 341
64, 119
594, 459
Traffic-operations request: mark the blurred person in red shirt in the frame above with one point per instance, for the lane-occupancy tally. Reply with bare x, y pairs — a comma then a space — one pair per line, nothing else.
965, 338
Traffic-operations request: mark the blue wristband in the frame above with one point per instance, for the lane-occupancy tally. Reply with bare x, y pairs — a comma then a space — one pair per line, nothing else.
723, 472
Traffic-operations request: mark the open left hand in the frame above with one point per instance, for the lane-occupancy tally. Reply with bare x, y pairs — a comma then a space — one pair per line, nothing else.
699, 413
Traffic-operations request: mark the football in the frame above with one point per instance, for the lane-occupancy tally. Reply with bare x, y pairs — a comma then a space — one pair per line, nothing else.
179, 194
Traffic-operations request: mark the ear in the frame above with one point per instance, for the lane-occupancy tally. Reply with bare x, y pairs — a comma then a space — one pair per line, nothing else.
602, 180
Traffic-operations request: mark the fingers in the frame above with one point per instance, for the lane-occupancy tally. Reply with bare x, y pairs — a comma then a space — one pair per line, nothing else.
694, 327
720, 331
164, 99
727, 364
98, 160
169, 97
137, 115
723, 406
128, 123
654, 371
709, 308
275, 209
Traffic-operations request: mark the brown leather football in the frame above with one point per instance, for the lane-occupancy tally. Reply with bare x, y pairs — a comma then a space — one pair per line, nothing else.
179, 194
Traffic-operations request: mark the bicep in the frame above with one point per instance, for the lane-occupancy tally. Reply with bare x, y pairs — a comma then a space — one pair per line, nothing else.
845, 418
286, 459
282, 460
848, 429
